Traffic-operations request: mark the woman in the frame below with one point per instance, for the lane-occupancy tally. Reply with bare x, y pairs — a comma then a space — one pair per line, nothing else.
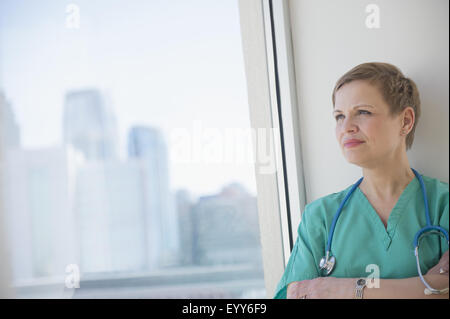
376, 110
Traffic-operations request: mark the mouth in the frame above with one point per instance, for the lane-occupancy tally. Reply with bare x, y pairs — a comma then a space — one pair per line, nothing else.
352, 143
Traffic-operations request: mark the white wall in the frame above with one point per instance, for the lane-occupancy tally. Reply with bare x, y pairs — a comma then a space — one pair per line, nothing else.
329, 38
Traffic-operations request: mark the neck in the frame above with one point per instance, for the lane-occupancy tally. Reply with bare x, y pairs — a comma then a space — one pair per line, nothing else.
388, 180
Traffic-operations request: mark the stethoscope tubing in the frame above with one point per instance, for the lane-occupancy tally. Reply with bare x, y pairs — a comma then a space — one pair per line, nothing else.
427, 228
338, 213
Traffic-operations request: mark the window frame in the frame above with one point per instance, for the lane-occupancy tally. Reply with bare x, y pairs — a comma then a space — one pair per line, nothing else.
268, 54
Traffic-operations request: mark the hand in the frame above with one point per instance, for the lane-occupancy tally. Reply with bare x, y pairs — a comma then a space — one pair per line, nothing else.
322, 288
441, 267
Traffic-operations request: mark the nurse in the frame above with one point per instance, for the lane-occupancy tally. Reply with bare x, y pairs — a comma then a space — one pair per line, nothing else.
376, 110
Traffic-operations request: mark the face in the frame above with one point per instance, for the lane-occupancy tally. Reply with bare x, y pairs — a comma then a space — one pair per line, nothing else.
365, 130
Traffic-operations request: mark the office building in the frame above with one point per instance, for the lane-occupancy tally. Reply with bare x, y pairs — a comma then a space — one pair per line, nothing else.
39, 219
226, 228
147, 145
89, 125
109, 208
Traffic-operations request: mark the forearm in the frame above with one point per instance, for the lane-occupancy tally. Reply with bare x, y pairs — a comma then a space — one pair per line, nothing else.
407, 288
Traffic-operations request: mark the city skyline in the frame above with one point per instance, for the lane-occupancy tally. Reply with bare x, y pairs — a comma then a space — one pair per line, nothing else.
166, 79
68, 203
90, 180
10, 119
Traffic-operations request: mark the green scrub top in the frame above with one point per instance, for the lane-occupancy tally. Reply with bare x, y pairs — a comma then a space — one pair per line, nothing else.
360, 238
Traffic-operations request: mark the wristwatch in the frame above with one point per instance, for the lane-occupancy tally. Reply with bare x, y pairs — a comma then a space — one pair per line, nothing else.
359, 289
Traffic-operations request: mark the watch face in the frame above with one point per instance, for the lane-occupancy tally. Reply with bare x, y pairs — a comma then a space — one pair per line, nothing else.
361, 282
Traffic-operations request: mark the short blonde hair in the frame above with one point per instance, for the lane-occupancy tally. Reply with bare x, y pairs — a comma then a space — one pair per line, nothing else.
398, 91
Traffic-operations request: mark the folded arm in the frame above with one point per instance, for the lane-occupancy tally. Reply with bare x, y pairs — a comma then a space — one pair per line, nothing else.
343, 288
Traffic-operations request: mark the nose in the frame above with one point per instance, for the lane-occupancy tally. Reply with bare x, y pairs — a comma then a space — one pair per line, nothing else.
349, 125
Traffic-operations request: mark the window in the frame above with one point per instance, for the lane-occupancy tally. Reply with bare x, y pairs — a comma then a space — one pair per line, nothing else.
125, 149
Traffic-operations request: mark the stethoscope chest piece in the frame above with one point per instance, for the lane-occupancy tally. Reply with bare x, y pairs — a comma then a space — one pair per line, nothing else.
327, 263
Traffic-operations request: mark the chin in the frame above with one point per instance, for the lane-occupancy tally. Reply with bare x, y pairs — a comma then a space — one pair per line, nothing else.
356, 160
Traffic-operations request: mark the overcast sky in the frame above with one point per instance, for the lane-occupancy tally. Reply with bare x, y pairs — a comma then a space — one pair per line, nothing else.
162, 63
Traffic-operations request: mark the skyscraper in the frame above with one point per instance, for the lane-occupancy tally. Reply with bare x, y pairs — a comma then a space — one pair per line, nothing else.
109, 209
185, 225
9, 129
89, 125
147, 145
39, 220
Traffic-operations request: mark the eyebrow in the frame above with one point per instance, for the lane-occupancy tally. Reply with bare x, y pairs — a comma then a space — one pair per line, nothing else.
356, 106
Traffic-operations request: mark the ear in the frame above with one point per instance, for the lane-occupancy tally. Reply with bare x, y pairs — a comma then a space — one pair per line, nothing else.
408, 119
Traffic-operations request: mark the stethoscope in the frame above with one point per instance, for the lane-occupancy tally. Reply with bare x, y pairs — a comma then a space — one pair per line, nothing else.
327, 262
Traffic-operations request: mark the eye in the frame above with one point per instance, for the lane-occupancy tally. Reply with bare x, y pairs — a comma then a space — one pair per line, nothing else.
364, 112
338, 117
